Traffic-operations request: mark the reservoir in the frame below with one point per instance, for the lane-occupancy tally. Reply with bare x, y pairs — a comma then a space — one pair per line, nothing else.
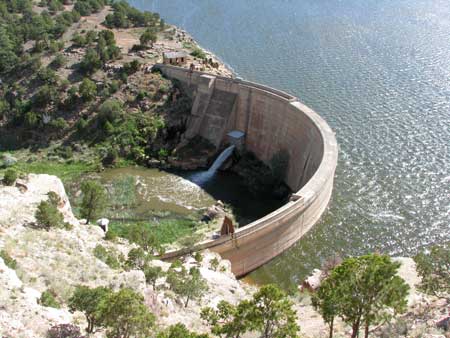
379, 73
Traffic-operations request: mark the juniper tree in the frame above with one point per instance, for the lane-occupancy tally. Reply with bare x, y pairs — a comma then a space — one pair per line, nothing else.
94, 200
86, 300
361, 290
433, 267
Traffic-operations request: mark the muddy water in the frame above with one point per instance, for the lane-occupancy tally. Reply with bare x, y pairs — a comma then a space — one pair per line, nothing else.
140, 193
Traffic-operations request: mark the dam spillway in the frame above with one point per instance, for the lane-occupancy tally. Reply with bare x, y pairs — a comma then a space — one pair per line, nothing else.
272, 121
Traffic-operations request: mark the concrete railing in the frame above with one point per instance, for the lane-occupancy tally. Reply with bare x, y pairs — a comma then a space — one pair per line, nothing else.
272, 121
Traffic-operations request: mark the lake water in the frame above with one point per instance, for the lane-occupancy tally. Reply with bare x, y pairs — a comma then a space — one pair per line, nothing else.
378, 71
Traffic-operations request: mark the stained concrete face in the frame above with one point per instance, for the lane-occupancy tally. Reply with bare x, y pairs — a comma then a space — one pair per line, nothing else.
272, 121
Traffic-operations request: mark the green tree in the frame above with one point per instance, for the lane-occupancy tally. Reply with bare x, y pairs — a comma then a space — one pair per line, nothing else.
142, 236
179, 331
88, 89
137, 259
433, 267
189, 285
125, 315
94, 200
90, 62
148, 37
364, 289
228, 320
326, 301
152, 273
86, 300
271, 314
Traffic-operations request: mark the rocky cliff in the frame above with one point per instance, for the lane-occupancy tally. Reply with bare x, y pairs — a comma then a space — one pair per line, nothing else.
59, 259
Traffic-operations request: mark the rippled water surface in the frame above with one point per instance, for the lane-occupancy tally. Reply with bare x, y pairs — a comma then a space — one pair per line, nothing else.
379, 72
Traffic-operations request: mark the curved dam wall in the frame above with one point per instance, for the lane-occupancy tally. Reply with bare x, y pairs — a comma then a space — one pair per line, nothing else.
272, 121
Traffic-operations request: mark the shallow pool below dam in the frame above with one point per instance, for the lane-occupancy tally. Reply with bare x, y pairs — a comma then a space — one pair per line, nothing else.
378, 72
141, 194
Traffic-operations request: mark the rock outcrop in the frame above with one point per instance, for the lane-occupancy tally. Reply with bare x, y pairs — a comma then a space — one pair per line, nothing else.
58, 260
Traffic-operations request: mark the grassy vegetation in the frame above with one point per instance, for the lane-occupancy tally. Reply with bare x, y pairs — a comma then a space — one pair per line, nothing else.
165, 230
65, 171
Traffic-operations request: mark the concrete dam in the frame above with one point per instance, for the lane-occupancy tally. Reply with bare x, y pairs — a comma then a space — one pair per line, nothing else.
271, 121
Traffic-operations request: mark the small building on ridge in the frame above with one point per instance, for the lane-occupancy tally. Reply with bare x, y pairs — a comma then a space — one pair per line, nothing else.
175, 58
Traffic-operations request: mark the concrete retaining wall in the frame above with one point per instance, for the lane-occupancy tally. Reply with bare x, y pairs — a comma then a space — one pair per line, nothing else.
273, 121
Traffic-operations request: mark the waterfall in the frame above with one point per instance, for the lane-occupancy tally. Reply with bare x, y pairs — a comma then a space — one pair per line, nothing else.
224, 155
204, 176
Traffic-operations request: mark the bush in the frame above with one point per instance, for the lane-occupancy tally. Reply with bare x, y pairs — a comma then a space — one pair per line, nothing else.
48, 299
48, 216
198, 53
179, 331
106, 256
111, 235
8, 260
88, 90
110, 111
10, 177
81, 125
58, 61
59, 124
64, 331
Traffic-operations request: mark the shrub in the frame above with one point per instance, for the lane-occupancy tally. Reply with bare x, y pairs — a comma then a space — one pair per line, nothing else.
111, 156
64, 331
110, 110
31, 119
54, 198
88, 89
111, 235
179, 331
48, 299
8, 260
81, 125
113, 86
59, 124
66, 152
58, 61
106, 256
10, 177
148, 37
198, 257
198, 53
48, 216
214, 263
